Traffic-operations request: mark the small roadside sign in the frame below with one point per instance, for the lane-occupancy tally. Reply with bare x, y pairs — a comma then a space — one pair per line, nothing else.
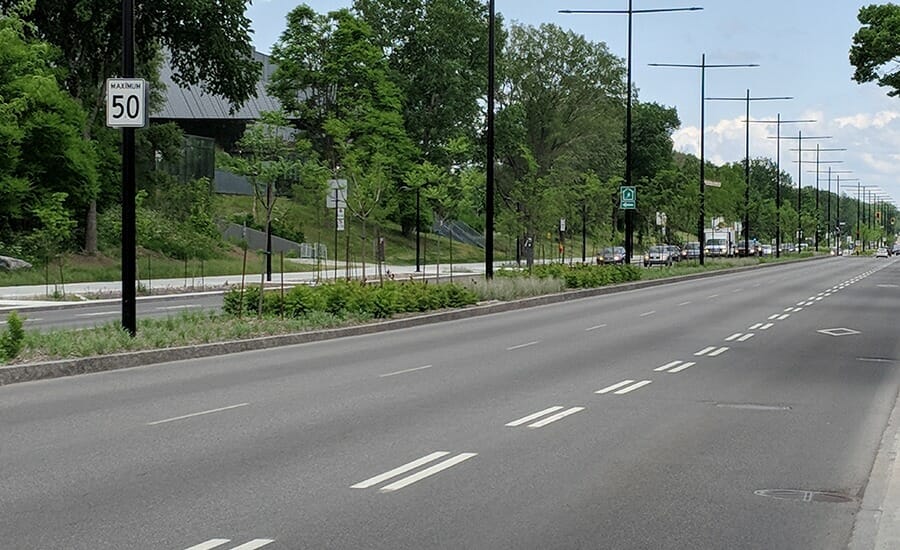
628, 197
562, 225
340, 224
126, 102
336, 198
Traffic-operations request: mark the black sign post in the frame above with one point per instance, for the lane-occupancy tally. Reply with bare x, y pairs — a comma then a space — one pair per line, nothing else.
129, 240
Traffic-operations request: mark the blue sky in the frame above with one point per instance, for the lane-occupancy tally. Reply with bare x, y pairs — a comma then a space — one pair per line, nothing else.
801, 46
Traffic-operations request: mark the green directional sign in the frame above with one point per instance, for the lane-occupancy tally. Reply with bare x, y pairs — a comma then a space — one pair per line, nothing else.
628, 199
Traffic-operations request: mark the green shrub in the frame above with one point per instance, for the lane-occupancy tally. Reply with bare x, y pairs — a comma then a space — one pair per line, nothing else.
302, 300
12, 339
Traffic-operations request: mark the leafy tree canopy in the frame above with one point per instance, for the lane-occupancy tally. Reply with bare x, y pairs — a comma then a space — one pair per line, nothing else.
876, 46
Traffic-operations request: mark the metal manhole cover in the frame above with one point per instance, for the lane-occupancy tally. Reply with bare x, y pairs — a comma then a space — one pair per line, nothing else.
805, 496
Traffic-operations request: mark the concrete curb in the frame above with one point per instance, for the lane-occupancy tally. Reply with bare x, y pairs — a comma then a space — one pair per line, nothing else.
56, 369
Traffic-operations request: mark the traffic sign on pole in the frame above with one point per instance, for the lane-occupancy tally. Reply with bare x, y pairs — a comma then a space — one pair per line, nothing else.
126, 102
628, 197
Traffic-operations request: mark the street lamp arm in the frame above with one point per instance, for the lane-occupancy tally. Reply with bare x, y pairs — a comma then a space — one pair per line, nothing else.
626, 12
774, 98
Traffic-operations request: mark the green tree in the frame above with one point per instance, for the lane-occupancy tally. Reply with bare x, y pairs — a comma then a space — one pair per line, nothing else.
56, 225
41, 150
876, 47
334, 78
561, 101
209, 44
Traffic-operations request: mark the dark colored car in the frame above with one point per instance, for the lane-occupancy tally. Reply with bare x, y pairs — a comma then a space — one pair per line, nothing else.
691, 251
674, 253
612, 255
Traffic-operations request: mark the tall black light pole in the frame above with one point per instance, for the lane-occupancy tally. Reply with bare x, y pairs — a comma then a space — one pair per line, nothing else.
489, 179
838, 216
829, 224
748, 99
629, 214
129, 215
778, 122
817, 162
701, 221
800, 139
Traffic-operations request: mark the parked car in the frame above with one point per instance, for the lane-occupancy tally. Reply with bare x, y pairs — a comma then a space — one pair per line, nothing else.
895, 250
882, 252
691, 251
612, 255
766, 250
658, 255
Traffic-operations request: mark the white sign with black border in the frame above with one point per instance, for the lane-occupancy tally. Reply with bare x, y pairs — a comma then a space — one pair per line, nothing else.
126, 102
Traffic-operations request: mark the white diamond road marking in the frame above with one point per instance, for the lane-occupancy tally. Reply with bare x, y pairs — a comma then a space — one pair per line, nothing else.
633, 387
838, 331
734, 336
555, 417
667, 366
427, 472
608, 389
215, 543
534, 416
718, 352
682, 367
745, 337
705, 350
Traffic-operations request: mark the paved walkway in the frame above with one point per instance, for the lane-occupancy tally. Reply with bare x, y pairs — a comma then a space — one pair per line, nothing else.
37, 294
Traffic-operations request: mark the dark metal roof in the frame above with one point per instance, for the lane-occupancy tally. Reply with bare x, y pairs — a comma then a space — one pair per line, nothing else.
192, 104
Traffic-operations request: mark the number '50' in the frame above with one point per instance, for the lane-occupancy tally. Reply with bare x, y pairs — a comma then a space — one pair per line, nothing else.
122, 106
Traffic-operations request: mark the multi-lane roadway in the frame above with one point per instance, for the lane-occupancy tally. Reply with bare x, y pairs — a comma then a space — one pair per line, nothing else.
740, 411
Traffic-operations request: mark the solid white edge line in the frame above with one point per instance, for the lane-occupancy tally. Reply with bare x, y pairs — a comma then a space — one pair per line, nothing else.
713, 296
734, 336
555, 417
209, 545
614, 386
404, 371
667, 366
530, 417
595, 327
718, 352
633, 387
520, 346
399, 470
647, 313
201, 413
450, 462
705, 350
745, 337
683, 367
254, 544
684, 303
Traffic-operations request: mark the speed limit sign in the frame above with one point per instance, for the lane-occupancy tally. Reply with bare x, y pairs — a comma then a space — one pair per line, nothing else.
126, 102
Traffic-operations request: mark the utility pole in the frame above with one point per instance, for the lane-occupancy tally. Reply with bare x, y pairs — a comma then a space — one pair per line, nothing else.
631, 12
748, 99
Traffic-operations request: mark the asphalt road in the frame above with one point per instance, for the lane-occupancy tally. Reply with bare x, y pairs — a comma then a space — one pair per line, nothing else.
647, 419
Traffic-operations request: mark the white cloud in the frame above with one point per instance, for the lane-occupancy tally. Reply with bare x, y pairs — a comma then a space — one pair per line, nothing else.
863, 121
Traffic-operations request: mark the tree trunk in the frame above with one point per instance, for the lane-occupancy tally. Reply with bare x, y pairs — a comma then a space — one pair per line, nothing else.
90, 229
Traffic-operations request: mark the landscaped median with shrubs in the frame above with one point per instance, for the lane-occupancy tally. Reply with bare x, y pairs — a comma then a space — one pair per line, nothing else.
300, 309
